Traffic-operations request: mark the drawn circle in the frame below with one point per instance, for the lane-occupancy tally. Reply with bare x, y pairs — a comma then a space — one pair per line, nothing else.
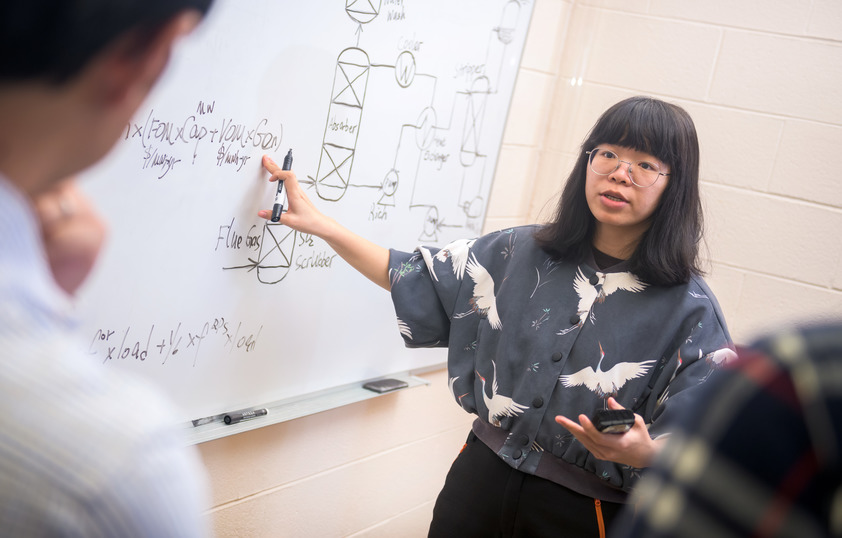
362, 11
356, 58
390, 183
508, 22
405, 69
481, 85
425, 124
473, 209
431, 221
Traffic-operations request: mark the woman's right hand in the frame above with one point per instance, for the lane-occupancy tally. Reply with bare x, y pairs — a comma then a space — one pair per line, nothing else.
369, 259
300, 214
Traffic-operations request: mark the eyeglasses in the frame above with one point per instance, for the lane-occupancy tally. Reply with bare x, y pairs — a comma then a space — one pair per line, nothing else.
604, 162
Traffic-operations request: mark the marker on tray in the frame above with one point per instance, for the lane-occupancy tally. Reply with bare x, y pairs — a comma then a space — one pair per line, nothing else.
281, 195
239, 416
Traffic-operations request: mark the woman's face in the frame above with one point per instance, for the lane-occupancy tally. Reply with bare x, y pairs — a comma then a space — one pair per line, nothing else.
622, 209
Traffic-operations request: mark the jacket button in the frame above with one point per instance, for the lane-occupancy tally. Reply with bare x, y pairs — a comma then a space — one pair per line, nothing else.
594, 280
574, 319
557, 356
537, 402
517, 454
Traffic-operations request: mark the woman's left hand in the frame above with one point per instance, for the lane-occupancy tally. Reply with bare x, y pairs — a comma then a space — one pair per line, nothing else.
634, 447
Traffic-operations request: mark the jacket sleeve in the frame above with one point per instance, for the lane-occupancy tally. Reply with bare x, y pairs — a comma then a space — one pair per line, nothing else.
424, 291
703, 347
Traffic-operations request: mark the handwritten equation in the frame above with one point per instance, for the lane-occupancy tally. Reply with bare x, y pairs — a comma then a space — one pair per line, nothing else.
168, 143
166, 344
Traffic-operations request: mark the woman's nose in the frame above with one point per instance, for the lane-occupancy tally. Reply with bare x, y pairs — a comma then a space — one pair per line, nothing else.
623, 173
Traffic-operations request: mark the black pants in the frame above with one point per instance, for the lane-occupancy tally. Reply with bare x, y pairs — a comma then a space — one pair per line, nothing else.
484, 497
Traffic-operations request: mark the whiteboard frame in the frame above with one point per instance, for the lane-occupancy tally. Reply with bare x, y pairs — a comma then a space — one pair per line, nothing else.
211, 428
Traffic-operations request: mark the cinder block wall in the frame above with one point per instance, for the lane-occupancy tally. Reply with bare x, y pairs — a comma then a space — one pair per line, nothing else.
761, 79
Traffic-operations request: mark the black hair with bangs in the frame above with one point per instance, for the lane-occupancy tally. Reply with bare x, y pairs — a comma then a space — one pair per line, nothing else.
668, 251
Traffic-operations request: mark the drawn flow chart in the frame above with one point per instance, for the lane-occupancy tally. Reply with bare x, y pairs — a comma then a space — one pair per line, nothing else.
347, 106
446, 149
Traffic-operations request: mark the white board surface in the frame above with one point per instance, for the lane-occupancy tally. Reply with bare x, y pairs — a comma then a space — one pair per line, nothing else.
394, 111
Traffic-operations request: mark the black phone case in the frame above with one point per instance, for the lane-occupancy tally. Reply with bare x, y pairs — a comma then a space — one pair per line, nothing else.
613, 420
385, 385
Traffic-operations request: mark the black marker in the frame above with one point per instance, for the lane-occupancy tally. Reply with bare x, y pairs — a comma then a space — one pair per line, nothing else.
239, 416
281, 195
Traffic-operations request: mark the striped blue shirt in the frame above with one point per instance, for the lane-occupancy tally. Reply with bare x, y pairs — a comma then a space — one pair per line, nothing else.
83, 451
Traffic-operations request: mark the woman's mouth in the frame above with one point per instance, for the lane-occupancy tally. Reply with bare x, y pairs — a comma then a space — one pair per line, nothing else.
614, 197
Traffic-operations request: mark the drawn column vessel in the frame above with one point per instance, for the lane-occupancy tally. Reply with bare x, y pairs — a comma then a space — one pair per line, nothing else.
342, 127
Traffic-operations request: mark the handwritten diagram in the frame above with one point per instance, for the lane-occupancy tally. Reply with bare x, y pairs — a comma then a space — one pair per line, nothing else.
424, 145
435, 143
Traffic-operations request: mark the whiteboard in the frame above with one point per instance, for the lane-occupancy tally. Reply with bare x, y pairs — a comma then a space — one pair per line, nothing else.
394, 111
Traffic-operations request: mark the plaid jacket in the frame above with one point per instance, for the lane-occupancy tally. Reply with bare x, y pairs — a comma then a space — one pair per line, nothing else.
761, 456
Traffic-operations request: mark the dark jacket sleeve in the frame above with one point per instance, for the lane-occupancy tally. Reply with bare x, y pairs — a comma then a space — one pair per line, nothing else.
424, 292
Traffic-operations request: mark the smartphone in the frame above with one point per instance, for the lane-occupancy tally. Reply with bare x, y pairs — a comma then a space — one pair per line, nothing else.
385, 385
613, 420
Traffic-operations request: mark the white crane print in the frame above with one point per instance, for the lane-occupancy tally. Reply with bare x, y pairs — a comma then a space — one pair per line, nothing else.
404, 328
451, 384
606, 383
499, 405
457, 251
717, 359
666, 394
597, 293
483, 301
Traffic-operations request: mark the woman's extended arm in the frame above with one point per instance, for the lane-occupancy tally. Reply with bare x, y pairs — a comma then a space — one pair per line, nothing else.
366, 257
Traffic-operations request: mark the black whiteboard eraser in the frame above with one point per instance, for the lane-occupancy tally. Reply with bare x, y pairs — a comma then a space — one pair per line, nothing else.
385, 385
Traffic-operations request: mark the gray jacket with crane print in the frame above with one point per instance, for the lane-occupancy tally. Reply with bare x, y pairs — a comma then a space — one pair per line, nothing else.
530, 338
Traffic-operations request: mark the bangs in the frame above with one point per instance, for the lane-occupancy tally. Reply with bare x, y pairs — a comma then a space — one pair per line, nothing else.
642, 124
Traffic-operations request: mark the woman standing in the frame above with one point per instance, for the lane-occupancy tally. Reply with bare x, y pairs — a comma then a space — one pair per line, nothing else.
603, 308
